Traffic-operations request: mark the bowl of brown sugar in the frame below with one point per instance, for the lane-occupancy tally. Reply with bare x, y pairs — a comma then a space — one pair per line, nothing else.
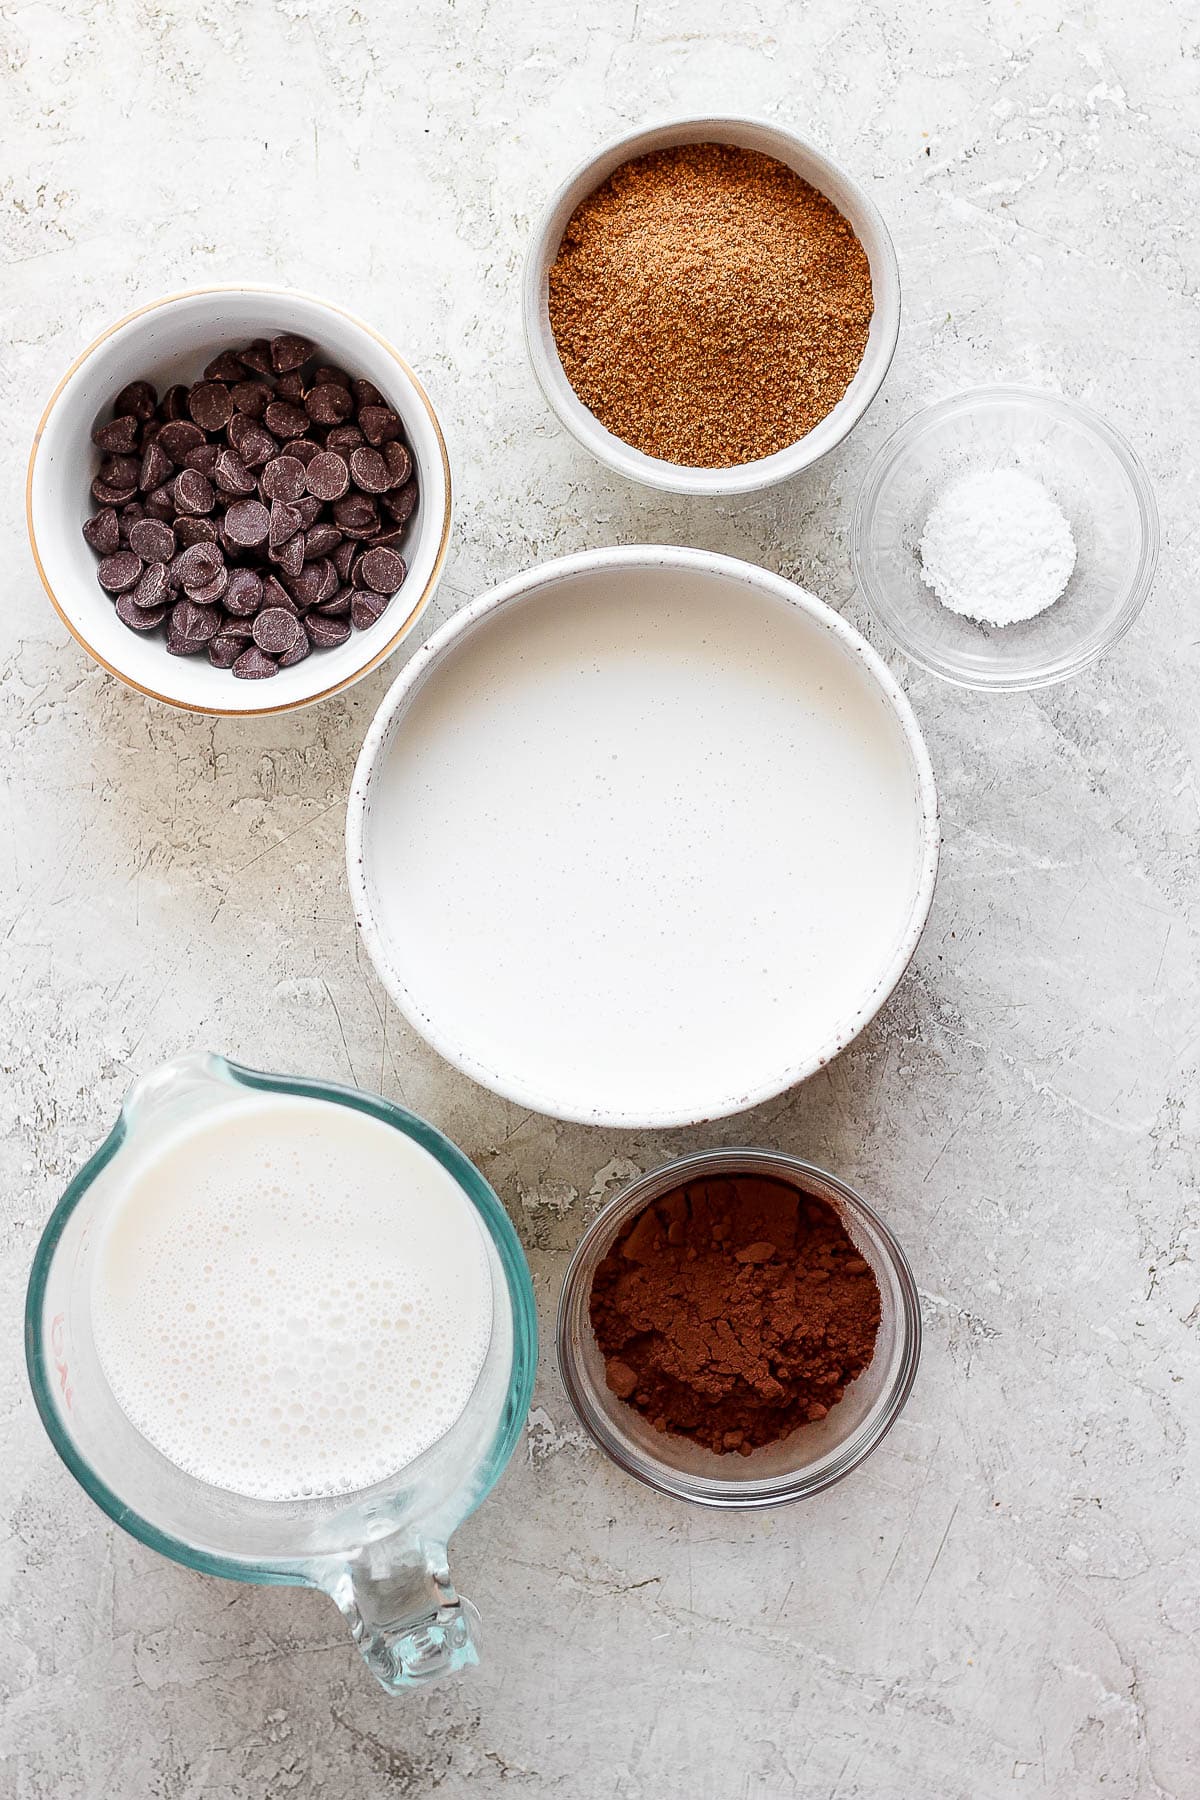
710, 305
738, 1328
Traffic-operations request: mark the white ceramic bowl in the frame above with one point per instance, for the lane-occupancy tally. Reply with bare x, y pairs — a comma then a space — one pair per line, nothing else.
171, 340
642, 837
820, 173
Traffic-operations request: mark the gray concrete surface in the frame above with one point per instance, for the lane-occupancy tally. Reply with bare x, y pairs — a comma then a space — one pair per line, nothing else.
1006, 1600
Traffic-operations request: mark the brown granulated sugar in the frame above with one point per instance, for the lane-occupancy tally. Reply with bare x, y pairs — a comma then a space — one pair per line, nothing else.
733, 1310
709, 306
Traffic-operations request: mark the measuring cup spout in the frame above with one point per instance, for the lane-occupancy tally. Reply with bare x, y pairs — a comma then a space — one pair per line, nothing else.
404, 1614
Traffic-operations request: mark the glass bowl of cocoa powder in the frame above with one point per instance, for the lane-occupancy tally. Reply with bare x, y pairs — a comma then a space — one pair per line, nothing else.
710, 305
738, 1328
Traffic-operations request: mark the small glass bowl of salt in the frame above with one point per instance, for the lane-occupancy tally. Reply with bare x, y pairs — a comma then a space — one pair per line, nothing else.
1005, 538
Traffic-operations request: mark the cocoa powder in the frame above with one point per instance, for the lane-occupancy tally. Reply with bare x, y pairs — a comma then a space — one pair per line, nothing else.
709, 306
733, 1310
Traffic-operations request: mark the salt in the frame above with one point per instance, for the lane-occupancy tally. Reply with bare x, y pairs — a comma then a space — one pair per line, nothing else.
996, 548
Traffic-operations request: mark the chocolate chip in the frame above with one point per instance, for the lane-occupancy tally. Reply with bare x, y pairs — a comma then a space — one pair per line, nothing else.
151, 590
189, 531
379, 424
192, 626
224, 650
366, 393
198, 566
289, 557
211, 405
365, 608
302, 448
202, 458
304, 586
120, 471
139, 618
102, 532
231, 474
156, 466
282, 479
310, 510
285, 420
356, 516
300, 649
328, 476
399, 463
383, 571
160, 504
174, 402
328, 404
152, 540
257, 357
234, 627
118, 573
290, 387
178, 437
327, 372
275, 594
255, 665
193, 492
138, 398
401, 505
284, 522
326, 633
368, 470
225, 367
119, 435
344, 437
243, 593
211, 592
322, 540
276, 631
107, 495
338, 605
343, 557
289, 352
247, 522
254, 445
251, 398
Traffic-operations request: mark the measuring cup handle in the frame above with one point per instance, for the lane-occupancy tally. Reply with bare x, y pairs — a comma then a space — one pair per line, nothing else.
404, 1613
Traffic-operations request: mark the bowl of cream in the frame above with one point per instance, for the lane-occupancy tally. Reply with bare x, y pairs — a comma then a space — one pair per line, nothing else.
642, 837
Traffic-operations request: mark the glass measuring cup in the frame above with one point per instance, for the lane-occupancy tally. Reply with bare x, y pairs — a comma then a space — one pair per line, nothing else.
379, 1553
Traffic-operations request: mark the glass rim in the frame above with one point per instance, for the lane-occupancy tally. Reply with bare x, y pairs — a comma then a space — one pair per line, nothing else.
897, 445
746, 1494
290, 1571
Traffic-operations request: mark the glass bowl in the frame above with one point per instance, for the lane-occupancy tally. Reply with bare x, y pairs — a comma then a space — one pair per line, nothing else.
813, 1456
1085, 466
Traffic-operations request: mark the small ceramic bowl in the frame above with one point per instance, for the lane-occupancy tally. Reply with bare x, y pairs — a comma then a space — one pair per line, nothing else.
171, 340
1084, 465
822, 174
814, 1456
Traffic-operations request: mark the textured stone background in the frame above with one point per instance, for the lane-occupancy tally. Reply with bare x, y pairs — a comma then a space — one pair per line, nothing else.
1006, 1600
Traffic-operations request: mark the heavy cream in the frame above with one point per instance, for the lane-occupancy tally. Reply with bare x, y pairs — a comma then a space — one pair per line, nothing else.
292, 1299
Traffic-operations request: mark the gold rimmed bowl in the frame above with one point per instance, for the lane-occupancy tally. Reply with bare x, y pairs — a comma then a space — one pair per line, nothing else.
171, 340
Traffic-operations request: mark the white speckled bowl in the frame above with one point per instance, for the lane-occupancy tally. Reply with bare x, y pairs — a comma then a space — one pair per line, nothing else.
822, 174
171, 340
642, 837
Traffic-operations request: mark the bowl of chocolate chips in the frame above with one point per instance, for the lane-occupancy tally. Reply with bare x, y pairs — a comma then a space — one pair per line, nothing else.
239, 500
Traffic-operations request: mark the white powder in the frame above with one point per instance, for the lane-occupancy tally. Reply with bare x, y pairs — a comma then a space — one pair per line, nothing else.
996, 547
